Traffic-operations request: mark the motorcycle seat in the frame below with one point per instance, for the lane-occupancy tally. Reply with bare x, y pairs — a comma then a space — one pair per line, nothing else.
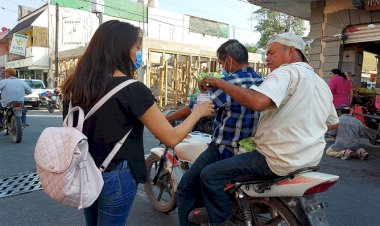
249, 179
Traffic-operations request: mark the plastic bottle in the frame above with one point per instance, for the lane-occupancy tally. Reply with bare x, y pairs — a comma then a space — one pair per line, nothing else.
203, 97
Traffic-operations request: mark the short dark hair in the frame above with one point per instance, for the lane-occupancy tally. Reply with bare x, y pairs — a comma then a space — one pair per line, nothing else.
344, 109
234, 49
338, 72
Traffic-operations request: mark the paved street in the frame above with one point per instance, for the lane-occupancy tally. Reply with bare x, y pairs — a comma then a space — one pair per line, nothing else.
354, 200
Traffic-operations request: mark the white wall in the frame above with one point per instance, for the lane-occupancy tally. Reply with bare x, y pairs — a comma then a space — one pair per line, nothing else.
170, 26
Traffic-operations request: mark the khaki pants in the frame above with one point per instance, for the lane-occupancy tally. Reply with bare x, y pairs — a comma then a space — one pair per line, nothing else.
338, 154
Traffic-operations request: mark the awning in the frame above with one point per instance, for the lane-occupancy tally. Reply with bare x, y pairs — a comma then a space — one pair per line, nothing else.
24, 24
363, 33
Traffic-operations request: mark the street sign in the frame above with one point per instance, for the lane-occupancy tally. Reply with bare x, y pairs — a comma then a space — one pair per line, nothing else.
18, 45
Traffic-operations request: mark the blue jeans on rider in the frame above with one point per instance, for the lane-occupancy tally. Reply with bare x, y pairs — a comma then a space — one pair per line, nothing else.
23, 117
115, 201
189, 191
214, 177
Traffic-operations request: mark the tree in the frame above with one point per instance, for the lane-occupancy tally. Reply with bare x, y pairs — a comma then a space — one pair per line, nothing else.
270, 23
252, 48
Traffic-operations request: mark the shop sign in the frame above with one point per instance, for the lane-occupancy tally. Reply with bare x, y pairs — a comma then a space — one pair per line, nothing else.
18, 63
18, 45
371, 5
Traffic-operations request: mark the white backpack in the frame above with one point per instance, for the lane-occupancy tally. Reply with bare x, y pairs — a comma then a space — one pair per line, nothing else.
66, 170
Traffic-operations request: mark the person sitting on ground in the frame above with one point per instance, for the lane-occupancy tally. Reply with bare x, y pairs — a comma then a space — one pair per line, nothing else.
233, 123
347, 144
12, 89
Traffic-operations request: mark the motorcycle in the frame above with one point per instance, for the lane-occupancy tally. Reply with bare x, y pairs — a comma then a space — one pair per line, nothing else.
12, 121
287, 200
52, 100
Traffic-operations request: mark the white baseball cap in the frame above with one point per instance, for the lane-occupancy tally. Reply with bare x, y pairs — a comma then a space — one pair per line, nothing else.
289, 39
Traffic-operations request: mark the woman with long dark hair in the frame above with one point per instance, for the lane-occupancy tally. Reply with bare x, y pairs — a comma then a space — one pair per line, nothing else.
340, 87
111, 58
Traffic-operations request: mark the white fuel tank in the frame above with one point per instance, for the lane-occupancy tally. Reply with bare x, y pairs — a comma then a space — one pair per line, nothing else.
192, 146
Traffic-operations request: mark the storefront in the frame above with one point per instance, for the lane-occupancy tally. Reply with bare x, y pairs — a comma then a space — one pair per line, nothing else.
342, 32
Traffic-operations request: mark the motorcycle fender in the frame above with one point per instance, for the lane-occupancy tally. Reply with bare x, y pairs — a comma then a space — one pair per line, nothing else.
314, 210
17, 113
295, 187
169, 157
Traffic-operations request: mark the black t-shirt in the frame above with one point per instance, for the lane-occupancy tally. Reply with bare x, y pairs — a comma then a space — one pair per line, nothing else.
114, 119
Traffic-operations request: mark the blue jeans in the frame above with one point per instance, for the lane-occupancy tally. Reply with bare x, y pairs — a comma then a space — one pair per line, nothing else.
214, 177
189, 191
116, 199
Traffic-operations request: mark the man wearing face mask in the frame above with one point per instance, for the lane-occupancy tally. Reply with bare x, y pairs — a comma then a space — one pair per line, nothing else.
233, 123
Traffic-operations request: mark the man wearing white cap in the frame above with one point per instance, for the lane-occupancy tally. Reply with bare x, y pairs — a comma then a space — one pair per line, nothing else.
296, 111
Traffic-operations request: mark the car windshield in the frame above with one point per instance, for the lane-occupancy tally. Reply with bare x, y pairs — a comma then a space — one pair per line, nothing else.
35, 84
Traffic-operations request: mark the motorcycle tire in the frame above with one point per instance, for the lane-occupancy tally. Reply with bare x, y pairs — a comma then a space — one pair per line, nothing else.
16, 129
267, 211
59, 103
50, 108
162, 195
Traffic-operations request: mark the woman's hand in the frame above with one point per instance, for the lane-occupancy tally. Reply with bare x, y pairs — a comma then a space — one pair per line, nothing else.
204, 109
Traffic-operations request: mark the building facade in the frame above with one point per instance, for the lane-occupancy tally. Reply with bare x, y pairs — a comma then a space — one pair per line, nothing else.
67, 27
342, 33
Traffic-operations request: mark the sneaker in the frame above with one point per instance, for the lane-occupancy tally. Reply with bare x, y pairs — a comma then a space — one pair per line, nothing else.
347, 154
198, 216
25, 125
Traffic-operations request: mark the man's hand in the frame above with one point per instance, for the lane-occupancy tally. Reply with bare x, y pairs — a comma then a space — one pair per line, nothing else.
208, 82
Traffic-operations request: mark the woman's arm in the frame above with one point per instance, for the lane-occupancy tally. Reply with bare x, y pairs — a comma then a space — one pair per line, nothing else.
179, 114
159, 126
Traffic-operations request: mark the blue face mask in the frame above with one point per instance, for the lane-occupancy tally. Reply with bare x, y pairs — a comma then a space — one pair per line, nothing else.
139, 60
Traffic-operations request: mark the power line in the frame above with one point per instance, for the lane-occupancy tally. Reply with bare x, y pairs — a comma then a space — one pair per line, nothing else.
183, 6
8, 9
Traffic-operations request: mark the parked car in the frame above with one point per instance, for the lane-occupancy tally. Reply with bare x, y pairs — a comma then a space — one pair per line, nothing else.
37, 87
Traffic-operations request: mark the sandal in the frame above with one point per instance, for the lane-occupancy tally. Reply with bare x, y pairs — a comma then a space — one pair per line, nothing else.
362, 154
347, 154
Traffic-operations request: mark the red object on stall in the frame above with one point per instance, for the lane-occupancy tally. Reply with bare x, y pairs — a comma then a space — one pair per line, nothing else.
377, 101
358, 110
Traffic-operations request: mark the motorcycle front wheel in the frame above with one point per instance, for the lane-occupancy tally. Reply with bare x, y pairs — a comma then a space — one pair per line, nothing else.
50, 107
268, 211
161, 195
16, 129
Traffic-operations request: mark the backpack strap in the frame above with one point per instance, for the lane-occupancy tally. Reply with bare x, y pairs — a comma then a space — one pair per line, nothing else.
68, 120
107, 96
112, 154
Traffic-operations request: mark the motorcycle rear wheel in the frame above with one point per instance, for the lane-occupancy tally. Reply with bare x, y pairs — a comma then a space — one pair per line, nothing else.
162, 195
16, 129
270, 211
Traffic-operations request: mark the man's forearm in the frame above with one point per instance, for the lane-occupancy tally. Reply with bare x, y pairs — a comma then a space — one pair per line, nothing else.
246, 97
179, 114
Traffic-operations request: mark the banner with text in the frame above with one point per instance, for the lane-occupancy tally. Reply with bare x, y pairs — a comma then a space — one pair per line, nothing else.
18, 45
72, 32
